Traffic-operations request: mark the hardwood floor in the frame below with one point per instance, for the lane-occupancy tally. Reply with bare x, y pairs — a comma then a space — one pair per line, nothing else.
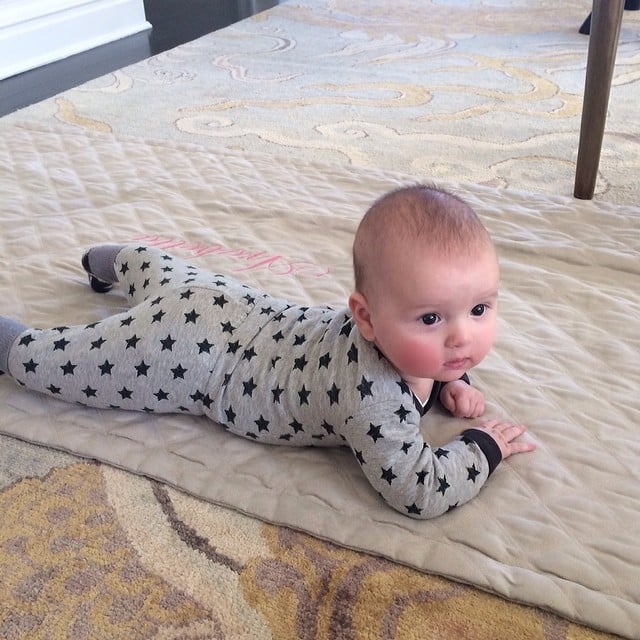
174, 22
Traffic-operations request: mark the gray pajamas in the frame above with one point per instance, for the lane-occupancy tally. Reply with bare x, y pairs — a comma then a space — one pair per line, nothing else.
203, 343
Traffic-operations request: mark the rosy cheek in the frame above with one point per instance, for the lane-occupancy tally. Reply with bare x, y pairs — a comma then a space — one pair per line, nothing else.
418, 356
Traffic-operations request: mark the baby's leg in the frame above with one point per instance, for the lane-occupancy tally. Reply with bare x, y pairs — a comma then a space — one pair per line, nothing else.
143, 272
142, 359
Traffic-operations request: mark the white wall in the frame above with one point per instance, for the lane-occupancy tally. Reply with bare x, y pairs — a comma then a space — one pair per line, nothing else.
36, 32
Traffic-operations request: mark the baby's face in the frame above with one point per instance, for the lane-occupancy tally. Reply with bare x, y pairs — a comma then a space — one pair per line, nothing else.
435, 317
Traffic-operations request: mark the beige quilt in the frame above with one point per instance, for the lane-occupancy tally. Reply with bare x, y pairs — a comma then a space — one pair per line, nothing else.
557, 528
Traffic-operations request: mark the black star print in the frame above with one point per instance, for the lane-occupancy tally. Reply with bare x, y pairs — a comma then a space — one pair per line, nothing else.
185, 295
145, 265
230, 413
278, 336
26, 340
388, 475
204, 346
105, 368
266, 311
296, 426
53, 389
167, 343
67, 369
374, 431
300, 363
156, 301
413, 508
421, 476
164, 281
359, 457
60, 344
303, 394
248, 387
227, 327
277, 392
125, 393
352, 354
161, 395
220, 300
248, 354
262, 424
299, 339
472, 473
192, 316
249, 298
157, 317
30, 367
404, 387
274, 360
132, 289
207, 400
197, 396
89, 392
406, 446
327, 427
346, 328
365, 388
232, 347
324, 361
178, 372
124, 268
132, 342
141, 250
402, 413
126, 321
146, 283
142, 368
441, 453
334, 395
96, 344
443, 485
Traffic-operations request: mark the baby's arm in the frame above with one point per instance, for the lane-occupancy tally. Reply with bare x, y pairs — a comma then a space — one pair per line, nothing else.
462, 400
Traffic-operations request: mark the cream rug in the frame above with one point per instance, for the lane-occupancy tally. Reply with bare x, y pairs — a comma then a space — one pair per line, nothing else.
482, 91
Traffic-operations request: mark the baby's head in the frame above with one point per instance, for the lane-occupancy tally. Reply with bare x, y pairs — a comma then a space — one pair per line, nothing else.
426, 282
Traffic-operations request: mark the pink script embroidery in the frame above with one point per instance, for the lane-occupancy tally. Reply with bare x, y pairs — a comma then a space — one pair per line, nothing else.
254, 259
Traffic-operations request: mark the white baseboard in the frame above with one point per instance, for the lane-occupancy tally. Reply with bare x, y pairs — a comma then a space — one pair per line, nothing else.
36, 32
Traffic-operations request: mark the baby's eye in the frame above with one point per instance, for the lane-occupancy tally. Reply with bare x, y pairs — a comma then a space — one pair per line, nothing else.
479, 310
429, 318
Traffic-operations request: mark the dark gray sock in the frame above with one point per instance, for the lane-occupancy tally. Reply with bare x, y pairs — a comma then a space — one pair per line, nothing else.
101, 259
9, 331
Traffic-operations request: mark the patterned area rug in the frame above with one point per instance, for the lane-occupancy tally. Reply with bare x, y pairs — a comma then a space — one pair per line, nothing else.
491, 95
482, 91
88, 551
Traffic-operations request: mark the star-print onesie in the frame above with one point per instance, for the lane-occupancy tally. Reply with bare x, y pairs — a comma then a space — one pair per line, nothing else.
278, 373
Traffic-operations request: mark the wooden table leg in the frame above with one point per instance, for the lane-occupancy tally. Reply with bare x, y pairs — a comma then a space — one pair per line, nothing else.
606, 18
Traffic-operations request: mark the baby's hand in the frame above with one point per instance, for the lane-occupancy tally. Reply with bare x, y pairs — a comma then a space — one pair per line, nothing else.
462, 400
504, 433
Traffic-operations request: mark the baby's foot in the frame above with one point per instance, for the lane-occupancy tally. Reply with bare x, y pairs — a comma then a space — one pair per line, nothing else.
98, 263
9, 331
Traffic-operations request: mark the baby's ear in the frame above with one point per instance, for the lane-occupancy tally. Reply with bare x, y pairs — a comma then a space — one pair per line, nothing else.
361, 315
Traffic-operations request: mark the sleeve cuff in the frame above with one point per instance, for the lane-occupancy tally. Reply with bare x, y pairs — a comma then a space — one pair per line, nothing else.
487, 445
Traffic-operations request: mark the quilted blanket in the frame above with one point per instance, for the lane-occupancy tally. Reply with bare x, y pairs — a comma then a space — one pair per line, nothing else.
556, 528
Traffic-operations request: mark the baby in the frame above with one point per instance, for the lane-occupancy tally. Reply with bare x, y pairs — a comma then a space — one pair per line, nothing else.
422, 314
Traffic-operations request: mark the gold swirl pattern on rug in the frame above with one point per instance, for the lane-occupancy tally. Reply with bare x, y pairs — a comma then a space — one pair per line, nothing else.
89, 551
480, 91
